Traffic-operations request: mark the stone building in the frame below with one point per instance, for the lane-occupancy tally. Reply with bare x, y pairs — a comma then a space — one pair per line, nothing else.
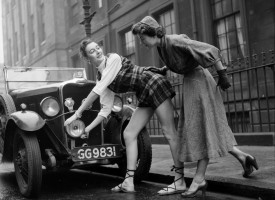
47, 33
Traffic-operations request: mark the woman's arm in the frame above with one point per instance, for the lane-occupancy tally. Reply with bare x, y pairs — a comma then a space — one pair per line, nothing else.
113, 66
206, 55
107, 101
219, 66
96, 121
89, 100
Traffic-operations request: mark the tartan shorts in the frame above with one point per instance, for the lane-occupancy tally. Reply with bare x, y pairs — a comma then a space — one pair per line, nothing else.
154, 90
151, 89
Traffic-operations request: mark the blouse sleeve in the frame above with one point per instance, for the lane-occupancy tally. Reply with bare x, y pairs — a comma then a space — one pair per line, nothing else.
205, 54
113, 66
107, 101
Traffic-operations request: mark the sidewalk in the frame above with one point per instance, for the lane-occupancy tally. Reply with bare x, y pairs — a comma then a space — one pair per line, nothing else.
223, 174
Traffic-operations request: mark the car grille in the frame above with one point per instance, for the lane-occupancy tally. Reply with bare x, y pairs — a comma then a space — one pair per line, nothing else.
78, 92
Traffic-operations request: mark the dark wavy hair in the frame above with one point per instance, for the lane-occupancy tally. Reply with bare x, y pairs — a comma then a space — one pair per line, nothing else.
82, 48
145, 29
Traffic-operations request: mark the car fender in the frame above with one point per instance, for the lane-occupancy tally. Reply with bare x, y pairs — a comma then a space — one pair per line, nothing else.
27, 120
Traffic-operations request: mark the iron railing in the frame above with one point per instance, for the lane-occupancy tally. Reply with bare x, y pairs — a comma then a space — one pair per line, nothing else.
249, 102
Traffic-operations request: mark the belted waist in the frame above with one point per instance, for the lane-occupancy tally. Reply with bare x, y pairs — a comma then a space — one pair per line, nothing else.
192, 70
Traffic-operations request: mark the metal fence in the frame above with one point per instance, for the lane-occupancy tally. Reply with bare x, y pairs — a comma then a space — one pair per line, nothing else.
249, 102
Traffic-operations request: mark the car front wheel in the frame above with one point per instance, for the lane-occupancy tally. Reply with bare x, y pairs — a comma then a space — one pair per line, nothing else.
27, 163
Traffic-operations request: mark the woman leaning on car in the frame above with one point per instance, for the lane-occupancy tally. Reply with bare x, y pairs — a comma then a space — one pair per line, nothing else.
117, 74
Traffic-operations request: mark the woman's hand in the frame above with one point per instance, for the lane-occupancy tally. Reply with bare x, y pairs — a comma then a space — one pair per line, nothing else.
70, 120
157, 70
223, 81
86, 134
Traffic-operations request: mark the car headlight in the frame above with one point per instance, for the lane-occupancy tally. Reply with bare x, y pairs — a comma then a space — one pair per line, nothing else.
76, 128
118, 104
50, 106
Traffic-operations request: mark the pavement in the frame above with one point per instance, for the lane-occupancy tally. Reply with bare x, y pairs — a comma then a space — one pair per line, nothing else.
223, 174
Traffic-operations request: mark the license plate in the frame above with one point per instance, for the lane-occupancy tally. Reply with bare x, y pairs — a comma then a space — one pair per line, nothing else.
95, 152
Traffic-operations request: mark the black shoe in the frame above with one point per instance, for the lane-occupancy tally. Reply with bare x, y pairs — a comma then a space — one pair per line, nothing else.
249, 163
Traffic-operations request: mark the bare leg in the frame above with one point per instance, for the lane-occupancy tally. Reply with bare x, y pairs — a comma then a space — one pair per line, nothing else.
237, 153
198, 182
138, 120
201, 169
165, 115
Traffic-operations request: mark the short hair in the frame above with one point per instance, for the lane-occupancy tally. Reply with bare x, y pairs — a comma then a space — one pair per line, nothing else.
145, 29
82, 49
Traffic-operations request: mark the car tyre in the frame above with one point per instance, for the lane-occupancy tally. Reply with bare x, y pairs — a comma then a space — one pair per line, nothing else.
27, 163
144, 157
7, 107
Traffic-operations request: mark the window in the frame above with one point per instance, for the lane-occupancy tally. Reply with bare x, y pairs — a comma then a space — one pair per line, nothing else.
99, 3
228, 28
43, 33
128, 45
167, 20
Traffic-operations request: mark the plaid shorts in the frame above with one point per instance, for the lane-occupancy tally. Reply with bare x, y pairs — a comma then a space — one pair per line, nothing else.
151, 89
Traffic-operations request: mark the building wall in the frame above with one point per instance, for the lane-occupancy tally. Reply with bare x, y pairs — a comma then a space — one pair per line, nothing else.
51, 51
63, 32
193, 17
260, 19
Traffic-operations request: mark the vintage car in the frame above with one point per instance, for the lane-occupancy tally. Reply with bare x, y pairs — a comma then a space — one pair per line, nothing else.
33, 109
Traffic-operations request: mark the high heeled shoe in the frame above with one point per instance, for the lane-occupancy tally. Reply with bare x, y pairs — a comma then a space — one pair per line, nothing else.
199, 186
173, 190
126, 189
248, 165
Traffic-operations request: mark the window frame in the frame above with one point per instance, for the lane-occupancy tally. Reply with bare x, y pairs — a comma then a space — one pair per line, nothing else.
241, 49
126, 54
174, 78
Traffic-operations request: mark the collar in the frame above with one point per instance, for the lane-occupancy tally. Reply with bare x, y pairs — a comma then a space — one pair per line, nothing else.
102, 65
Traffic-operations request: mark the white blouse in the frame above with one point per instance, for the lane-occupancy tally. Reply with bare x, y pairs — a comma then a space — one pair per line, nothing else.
108, 73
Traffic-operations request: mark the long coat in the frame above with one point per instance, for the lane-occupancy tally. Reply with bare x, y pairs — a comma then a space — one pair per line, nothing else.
203, 128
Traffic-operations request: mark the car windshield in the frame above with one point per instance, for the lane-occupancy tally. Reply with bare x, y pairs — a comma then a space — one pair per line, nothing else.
28, 77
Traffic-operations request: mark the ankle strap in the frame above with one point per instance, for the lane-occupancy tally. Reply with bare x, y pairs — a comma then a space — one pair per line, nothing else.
129, 175
176, 169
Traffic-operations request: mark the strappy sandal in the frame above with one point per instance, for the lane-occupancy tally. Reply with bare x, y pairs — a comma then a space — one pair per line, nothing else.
173, 190
128, 189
